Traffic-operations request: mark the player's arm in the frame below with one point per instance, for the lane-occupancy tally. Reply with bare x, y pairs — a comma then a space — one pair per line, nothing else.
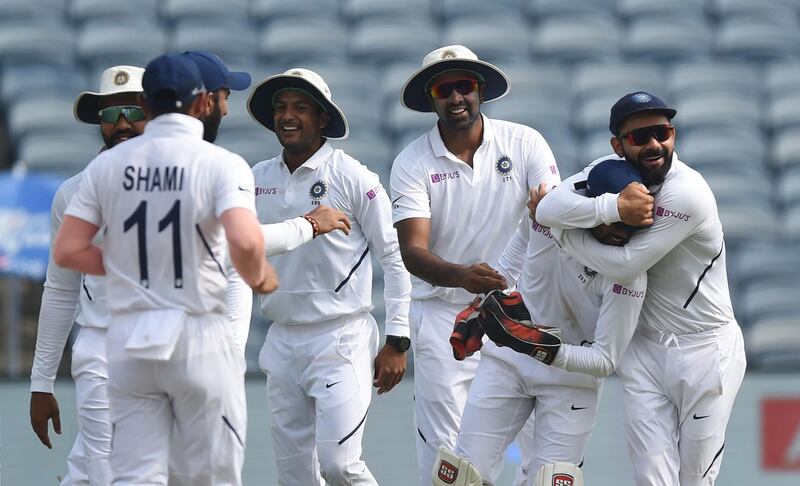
73, 247
512, 261
565, 207
246, 247
56, 315
371, 207
238, 305
411, 213
646, 247
619, 315
287, 235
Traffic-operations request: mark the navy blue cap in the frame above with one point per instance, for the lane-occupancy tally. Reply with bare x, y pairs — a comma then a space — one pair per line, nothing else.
171, 80
612, 175
216, 74
634, 103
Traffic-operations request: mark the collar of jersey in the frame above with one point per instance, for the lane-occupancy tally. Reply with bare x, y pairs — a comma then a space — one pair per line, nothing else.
319, 157
174, 123
437, 144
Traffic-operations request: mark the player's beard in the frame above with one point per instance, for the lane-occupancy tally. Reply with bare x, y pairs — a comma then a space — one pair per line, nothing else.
457, 123
118, 136
652, 176
211, 124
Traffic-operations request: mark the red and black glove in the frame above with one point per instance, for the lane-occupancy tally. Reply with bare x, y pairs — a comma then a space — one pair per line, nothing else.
467, 336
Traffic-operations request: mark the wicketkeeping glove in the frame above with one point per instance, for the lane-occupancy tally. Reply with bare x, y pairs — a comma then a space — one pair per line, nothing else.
467, 334
507, 322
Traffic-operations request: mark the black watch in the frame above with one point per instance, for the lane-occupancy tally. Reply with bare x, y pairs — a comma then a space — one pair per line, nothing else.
400, 343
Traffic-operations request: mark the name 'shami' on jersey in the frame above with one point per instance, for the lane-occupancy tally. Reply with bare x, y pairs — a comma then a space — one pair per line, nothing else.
151, 179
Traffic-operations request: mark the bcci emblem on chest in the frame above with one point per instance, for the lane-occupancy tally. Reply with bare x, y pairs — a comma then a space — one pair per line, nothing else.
318, 190
503, 165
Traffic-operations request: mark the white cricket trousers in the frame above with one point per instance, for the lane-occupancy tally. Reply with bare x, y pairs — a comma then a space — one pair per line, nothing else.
319, 387
88, 463
197, 394
512, 390
440, 382
678, 395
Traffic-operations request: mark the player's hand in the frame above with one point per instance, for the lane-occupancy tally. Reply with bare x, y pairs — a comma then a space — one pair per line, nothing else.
390, 366
44, 407
536, 196
270, 281
330, 219
480, 278
635, 205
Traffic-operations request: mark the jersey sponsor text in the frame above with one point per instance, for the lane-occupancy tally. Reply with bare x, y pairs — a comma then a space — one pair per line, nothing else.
619, 289
666, 213
152, 179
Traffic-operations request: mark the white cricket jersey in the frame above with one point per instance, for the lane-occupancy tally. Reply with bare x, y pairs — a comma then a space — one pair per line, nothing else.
473, 210
683, 252
160, 196
597, 315
331, 276
68, 297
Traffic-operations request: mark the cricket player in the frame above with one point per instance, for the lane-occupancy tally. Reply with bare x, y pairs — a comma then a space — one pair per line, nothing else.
686, 361
596, 317
321, 353
168, 201
458, 194
68, 296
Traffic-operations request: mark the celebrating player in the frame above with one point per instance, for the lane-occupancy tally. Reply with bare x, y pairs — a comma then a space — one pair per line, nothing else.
116, 109
320, 352
596, 317
686, 361
458, 193
168, 201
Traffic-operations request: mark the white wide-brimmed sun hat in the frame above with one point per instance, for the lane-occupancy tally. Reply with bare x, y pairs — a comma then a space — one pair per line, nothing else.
261, 107
452, 58
114, 80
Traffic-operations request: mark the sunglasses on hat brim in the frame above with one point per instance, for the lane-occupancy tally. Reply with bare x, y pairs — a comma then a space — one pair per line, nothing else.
641, 136
131, 113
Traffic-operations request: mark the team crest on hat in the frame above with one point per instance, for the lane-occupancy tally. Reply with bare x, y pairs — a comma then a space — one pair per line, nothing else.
121, 78
449, 54
641, 97
318, 190
298, 73
503, 165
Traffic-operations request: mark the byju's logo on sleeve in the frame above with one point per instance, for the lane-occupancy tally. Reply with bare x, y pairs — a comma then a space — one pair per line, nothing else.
619, 289
662, 212
444, 176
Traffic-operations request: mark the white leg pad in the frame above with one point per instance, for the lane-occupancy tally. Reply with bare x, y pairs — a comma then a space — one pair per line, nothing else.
559, 474
453, 470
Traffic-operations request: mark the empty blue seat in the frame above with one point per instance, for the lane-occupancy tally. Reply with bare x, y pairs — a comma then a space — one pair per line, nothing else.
633, 9
790, 224
535, 110
404, 124
749, 8
572, 39
46, 113
758, 39
727, 187
67, 152
175, 10
592, 115
452, 9
769, 299
667, 41
783, 111
114, 11
565, 150
369, 148
36, 41
782, 77
789, 187
367, 10
135, 42
547, 79
765, 263
786, 150
386, 41
35, 80
494, 39
694, 78
773, 343
13, 11
744, 222
594, 145
215, 35
303, 41
393, 77
735, 150
718, 110
542, 9
276, 10
617, 79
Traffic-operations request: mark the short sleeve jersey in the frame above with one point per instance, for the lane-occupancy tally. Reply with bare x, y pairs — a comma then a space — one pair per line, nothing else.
159, 197
475, 210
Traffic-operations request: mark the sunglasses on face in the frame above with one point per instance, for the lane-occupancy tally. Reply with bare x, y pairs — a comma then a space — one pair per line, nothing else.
131, 113
445, 89
641, 136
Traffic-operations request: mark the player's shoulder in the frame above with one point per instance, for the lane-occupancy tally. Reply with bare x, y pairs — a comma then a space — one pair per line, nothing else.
348, 168
686, 186
70, 186
415, 153
266, 165
515, 132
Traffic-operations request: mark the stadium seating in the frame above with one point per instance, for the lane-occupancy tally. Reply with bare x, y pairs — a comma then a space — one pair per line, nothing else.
731, 67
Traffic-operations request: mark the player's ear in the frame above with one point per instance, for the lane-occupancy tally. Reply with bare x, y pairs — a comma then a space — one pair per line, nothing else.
324, 119
616, 144
481, 89
200, 107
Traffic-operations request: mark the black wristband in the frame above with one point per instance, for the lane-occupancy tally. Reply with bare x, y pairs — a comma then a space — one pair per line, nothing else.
400, 343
